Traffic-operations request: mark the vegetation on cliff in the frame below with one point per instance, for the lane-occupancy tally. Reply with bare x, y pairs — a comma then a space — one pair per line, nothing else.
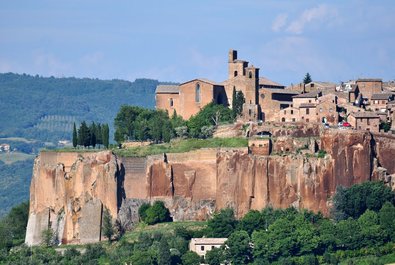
181, 146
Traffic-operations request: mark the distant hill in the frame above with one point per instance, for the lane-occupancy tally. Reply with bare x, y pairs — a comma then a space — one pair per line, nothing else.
39, 111
44, 108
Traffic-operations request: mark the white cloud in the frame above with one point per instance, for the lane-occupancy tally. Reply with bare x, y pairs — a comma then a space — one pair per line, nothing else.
279, 22
322, 13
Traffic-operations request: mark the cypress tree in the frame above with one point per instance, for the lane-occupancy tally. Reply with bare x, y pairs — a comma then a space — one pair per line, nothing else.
105, 135
75, 136
92, 134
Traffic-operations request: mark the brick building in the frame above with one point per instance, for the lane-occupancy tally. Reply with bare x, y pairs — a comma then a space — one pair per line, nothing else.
188, 98
369, 86
379, 101
365, 121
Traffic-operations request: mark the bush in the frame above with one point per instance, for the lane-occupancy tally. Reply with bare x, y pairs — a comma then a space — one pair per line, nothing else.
157, 213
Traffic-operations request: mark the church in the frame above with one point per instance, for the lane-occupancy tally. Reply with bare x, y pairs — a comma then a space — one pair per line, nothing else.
190, 97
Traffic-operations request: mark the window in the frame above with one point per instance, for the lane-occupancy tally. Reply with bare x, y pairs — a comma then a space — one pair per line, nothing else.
292, 112
250, 74
367, 121
307, 111
293, 119
307, 120
285, 112
283, 119
235, 73
212, 247
171, 102
202, 248
260, 145
197, 93
249, 112
309, 100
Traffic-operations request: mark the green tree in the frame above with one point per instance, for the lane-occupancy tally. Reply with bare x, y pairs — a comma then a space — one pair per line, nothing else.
215, 256
157, 213
106, 135
92, 134
142, 257
251, 221
237, 102
164, 255
190, 258
108, 227
75, 137
83, 135
143, 211
307, 78
387, 219
222, 224
372, 233
354, 201
209, 115
239, 250
125, 121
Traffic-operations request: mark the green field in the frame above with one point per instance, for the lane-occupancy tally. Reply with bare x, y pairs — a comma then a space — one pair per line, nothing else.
12, 157
181, 146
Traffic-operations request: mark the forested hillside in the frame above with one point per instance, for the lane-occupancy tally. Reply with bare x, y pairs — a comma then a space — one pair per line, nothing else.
37, 112
45, 108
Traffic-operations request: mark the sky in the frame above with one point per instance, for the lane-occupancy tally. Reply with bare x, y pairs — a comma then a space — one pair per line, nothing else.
179, 40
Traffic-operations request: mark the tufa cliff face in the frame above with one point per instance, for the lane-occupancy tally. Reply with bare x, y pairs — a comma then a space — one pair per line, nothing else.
69, 190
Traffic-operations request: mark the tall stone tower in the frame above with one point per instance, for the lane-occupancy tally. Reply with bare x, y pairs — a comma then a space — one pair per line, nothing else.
245, 78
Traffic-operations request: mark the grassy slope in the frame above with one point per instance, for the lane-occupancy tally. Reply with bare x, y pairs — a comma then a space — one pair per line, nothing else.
181, 146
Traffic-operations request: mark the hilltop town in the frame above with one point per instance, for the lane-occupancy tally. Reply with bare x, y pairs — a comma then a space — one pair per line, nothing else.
362, 104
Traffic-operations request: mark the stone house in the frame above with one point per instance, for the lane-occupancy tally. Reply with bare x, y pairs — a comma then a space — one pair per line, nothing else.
379, 101
167, 97
273, 100
202, 245
290, 114
369, 86
306, 98
365, 121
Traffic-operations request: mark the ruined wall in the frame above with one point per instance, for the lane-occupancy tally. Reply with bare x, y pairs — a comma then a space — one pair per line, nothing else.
70, 190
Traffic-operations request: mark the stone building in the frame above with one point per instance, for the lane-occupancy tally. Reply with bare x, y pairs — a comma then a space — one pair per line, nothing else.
202, 245
190, 97
379, 101
273, 100
365, 121
369, 86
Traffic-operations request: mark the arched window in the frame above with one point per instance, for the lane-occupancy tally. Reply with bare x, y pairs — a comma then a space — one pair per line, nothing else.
250, 74
197, 93
235, 73
171, 102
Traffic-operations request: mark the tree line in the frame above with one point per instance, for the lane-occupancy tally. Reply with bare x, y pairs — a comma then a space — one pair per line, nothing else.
140, 124
92, 135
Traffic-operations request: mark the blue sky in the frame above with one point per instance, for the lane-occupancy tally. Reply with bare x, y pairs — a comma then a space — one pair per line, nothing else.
181, 40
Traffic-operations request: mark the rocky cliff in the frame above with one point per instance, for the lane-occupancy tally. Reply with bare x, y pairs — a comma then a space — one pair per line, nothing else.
70, 190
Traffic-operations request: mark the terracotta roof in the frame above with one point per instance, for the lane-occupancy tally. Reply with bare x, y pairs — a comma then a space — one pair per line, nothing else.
307, 105
208, 241
382, 96
312, 94
203, 80
167, 89
369, 80
268, 82
365, 114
